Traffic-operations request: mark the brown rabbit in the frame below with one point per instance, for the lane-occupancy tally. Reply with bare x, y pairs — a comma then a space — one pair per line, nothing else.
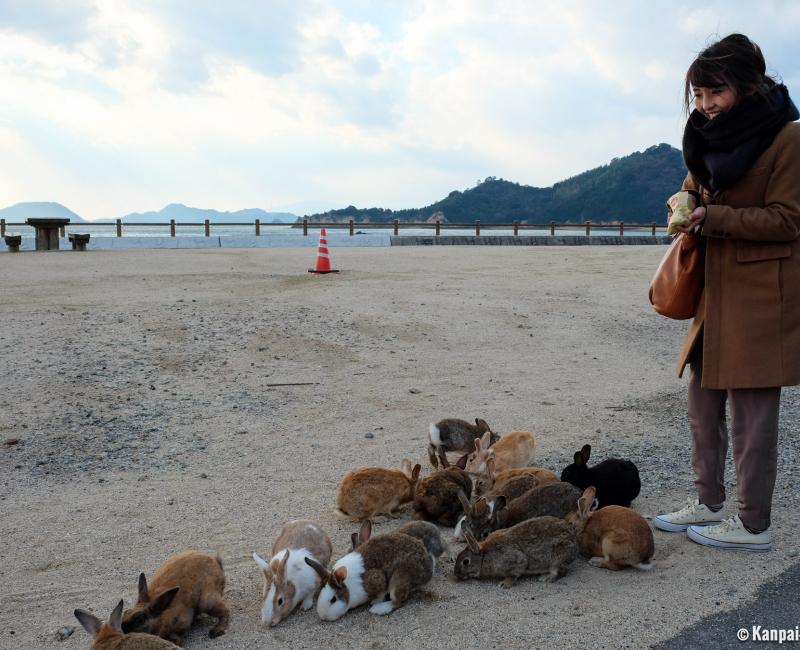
541, 474
371, 491
515, 449
480, 515
493, 481
436, 496
614, 536
542, 546
551, 499
109, 636
455, 435
424, 531
201, 580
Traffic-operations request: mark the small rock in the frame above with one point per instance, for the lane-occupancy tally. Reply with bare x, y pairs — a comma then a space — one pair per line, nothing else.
64, 633
11, 441
413, 391
203, 475
369, 435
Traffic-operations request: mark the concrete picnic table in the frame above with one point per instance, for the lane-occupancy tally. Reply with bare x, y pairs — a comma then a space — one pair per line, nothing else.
47, 231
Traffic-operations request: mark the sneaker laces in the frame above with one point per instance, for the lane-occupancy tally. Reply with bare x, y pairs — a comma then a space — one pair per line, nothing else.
691, 505
729, 524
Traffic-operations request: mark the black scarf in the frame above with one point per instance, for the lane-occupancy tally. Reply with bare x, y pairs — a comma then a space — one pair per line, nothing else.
719, 151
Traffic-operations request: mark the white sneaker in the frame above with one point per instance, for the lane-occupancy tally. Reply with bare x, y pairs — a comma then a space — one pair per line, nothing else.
693, 513
731, 533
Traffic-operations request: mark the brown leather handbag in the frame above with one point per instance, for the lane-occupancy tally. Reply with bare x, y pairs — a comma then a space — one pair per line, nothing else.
678, 282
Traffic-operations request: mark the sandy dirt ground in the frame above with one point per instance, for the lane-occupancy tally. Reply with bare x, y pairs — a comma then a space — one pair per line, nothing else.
139, 386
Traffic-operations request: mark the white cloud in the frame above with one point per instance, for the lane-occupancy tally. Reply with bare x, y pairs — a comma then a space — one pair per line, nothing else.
374, 104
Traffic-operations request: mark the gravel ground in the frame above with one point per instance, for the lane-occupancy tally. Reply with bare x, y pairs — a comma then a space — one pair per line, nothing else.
144, 409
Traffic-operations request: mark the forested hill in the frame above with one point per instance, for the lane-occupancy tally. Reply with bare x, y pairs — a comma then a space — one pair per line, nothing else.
631, 189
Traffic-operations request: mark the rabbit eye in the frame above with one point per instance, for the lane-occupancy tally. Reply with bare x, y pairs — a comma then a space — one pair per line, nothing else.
333, 600
280, 602
465, 561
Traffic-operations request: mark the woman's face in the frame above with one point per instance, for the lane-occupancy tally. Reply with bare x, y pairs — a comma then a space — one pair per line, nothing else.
713, 100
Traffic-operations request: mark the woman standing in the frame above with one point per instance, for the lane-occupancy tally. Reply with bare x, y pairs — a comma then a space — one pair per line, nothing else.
741, 146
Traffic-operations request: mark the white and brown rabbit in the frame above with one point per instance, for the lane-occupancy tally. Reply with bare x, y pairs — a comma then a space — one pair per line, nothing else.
383, 571
613, 537
372, 491
544, 546
452, 434
288, 580
109, 636
436, 495
201, 581
515, 449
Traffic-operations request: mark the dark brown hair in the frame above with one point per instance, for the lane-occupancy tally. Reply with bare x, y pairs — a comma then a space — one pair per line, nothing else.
734, 61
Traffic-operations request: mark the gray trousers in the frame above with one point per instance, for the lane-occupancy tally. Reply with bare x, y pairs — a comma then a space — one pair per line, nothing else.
754, 437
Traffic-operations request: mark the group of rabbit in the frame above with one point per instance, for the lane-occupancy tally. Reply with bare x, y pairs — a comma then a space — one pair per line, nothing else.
516, 520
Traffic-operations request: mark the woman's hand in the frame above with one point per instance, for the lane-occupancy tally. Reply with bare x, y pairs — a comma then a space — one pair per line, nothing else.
696, 219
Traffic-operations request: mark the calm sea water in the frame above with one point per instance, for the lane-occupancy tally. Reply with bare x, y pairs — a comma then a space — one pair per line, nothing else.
282, 230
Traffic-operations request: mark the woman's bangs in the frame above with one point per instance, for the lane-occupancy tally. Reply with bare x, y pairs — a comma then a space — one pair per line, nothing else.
705, 74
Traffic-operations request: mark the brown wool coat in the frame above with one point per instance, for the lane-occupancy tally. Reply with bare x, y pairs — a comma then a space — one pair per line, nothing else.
750, 307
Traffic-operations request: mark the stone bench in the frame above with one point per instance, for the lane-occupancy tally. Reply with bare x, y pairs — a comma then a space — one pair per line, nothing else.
78, 240
13, 241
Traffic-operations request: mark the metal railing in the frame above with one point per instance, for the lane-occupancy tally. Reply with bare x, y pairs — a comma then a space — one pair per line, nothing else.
396, 226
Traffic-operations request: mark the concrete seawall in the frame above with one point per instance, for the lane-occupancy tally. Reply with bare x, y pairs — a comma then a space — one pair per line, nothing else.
343, 240
530, 240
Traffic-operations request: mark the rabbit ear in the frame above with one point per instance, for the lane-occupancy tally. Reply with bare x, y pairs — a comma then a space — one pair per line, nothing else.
89, 621
471, 541
490, 465
595, 504
406, 467
477, 444
365, 532
486, 440
260, 561
336, 578
443, 460
282, 565
353, 541
144, 596
585, 502
578, 459
116, 617
162, 602
415, 472
461, 463
465, 504
322, 572
586, 451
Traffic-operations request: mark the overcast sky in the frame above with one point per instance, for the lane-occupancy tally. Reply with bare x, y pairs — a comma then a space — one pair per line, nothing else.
115, 106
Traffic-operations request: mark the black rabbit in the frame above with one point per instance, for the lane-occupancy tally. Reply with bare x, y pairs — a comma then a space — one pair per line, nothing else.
616, 480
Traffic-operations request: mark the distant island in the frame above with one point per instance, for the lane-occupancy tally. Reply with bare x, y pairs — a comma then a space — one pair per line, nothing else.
631, 189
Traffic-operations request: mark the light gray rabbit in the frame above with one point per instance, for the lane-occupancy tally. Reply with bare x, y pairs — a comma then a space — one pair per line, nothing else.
452, 434
544, 546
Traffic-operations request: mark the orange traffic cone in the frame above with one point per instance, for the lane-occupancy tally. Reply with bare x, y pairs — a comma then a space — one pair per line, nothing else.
323, 260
